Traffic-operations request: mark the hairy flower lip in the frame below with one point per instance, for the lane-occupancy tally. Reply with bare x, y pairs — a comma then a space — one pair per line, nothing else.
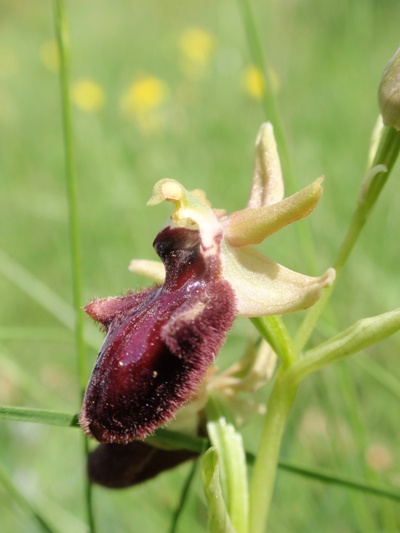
159, 344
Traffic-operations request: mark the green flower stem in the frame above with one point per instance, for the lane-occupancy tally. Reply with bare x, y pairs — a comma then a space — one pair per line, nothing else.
268, 98
362, 334
62, 34
274, 331
386, 155
266, 463
61, 28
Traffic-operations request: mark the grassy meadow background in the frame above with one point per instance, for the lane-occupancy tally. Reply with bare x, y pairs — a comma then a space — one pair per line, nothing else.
195, 121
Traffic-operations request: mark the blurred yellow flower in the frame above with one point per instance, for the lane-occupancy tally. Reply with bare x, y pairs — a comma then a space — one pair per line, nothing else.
49, 55
144, 94
88, 95
254, 84
197, 47
142, 101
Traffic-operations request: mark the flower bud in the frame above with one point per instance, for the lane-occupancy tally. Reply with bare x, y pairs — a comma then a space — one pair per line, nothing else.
389, 92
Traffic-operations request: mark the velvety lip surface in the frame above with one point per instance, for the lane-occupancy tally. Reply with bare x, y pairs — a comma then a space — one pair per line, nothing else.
159, 344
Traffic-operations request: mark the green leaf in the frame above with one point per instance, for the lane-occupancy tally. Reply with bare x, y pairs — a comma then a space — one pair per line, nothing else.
361, 335
218, 518
229, 444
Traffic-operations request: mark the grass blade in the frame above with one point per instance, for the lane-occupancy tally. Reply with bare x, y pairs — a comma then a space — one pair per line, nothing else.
21, 500
41, 416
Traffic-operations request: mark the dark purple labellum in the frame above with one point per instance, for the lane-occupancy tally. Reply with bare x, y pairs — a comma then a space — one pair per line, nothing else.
118, 466
159, 344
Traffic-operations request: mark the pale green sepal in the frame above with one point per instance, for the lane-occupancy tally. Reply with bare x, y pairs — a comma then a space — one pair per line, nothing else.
357, 337
267, 187
218, 519
252, 226
263, 287
233, 472
153, 270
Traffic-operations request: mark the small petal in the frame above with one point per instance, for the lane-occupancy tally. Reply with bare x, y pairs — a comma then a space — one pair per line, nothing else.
267, 187
106, 310
252, 226
192, 211
153, 270
263, 287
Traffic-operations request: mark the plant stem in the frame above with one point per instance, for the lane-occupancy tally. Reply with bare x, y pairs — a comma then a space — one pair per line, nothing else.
62, 34
266, 464
274, 331
73, 219
387, 153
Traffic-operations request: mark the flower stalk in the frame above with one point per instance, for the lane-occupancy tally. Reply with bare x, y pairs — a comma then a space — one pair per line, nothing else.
266, 464
371, 187
274, 331
62, 35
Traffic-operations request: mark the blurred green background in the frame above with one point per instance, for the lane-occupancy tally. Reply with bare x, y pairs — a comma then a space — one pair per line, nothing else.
167, 90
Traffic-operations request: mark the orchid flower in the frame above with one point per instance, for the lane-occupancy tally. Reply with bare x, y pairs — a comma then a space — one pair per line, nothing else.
161, 341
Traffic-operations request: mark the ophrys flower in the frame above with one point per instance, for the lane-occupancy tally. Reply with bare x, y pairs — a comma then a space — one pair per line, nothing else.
161, 341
